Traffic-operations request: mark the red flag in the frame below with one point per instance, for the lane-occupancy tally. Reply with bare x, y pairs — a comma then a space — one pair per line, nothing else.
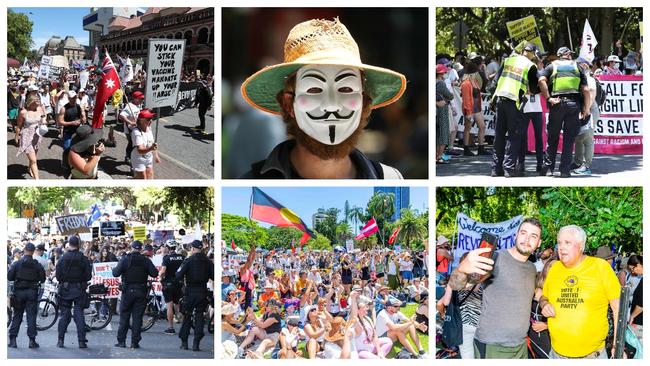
393, 236
305, 237
232, 244
293, 248
108, 84
368, 229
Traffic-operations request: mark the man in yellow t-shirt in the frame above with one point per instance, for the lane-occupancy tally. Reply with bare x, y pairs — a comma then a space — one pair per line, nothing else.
575, 297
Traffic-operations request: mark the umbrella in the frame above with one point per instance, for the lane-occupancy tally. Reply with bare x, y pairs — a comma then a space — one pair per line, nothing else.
12, 62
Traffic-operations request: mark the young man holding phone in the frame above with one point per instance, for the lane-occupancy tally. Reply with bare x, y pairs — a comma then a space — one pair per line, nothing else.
507, 293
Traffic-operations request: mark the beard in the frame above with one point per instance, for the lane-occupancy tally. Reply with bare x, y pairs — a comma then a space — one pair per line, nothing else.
324, 152
523, 251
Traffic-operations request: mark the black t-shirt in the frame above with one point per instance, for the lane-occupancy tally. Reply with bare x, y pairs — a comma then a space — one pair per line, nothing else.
71, 113
171, 262
637, 300
275, 327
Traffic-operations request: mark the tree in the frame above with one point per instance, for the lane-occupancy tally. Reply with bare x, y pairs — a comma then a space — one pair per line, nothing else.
343, 232
413, 227
150, 201
282, 237
19, 35
191, 204
381, 206
356, 216
320, 243
243, 231
327, 227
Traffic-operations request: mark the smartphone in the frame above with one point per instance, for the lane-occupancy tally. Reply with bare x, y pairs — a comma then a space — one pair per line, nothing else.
489, 241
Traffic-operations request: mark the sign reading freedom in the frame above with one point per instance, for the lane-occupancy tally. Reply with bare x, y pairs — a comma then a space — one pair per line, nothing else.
72, 224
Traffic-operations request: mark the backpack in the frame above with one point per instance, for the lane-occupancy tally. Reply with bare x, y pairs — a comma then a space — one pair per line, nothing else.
452, 326
404, 354
601, 93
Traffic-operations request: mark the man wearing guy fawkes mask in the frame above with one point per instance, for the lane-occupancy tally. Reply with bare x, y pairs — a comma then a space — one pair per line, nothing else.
325, 95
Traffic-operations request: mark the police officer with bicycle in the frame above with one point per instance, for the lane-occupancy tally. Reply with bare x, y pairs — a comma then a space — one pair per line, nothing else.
171, 287
27, 275
73, 271
134, 268
195, 272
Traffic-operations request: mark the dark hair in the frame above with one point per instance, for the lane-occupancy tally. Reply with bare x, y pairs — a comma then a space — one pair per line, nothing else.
635, 260
532, 221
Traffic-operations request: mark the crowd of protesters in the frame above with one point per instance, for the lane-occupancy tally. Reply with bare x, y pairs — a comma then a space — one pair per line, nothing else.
465, 79
34, 106
557, 302
323, 304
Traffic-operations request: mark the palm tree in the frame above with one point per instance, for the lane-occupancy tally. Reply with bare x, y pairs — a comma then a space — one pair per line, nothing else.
381, 206
356, 215
343, 232
414, 227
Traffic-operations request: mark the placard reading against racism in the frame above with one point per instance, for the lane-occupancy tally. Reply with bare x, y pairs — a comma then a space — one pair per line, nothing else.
164, 63
525, 29
72, 224
103, 273
469, 232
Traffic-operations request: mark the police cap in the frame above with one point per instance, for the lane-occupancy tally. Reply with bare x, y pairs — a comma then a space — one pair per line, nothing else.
137, 245
563, 50
74, 241
29, 247
197, 244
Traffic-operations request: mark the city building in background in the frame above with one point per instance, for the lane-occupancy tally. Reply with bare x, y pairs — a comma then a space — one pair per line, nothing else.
97, 22
402, 199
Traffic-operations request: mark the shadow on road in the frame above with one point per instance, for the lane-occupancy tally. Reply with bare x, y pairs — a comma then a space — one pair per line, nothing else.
189, 132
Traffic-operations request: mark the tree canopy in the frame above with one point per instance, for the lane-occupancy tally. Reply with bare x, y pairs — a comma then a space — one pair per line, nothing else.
609, 215
19, 35
487, 33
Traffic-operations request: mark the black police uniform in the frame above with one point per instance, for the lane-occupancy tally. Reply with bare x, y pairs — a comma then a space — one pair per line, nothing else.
195, 272
73, 271
134, 268
26, 273
563, 116
171, 287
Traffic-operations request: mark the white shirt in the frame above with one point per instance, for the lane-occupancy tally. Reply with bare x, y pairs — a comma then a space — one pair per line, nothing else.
384, 318
392, 268
131, 112
533, 104
141, 138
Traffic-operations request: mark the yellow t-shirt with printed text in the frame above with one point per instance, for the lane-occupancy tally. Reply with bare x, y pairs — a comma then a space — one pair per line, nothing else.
580, 296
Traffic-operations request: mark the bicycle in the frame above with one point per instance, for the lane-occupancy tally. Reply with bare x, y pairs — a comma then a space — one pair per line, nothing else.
154, 310
48, 307
98, 314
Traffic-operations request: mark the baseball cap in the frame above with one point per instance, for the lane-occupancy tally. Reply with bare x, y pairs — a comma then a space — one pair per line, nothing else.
530, 47
137, 244
146, 113
473, 55
138, 95
29, 247
197, 244
441, 69
40, 247
74, 241
613, 58
393, 302
72, 94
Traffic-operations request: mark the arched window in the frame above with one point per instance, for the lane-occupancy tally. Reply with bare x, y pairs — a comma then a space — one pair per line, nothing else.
178, 35
211, 39
188, 37
203, 36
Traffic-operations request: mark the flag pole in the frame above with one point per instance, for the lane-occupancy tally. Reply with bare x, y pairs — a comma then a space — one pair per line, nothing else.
569, 30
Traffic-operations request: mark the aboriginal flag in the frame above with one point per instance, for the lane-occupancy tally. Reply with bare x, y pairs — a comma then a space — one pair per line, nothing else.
266, 209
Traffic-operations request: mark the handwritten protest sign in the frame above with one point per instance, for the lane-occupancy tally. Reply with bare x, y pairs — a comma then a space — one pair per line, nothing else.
71, 224
470, 230
103, 273
165, 59
525, 29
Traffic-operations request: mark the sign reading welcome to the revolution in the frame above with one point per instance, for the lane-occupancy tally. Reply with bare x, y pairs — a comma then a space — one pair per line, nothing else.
164, 63
71, 224
470, 230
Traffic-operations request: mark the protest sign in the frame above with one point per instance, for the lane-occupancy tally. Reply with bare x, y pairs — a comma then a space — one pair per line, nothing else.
469, 233
103, 273
524, 29
164, 62
139, 232
161, 236
489, 116
112, 228
619, 130
156, 286
71, 224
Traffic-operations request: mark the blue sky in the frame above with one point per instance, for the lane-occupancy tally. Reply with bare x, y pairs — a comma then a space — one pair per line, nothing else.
305, 201
56, 21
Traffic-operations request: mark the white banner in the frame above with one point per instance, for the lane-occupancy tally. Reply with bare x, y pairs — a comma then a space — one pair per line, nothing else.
83, 79
469, 232
103, 273
589, 43
164, 61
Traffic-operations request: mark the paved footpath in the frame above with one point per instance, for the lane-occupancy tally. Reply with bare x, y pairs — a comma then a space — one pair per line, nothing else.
154, 344
185, 153
624, 167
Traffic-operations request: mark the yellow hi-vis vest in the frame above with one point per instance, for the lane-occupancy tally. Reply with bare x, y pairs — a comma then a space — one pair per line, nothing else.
514, 78
565, 78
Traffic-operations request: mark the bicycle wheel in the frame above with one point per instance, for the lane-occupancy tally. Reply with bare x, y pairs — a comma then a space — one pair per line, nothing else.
98, 315
48, 313
150, 316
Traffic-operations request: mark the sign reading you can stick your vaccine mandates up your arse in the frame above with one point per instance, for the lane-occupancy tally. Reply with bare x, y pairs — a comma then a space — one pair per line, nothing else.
164, 62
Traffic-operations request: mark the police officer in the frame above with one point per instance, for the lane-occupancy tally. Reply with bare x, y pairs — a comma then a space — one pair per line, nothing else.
171, 287
27, 274
569, 101
134, 268
516, 77
73, 271
195, 271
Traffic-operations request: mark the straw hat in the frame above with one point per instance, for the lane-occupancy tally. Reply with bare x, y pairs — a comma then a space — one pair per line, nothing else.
335, 334
320, 42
